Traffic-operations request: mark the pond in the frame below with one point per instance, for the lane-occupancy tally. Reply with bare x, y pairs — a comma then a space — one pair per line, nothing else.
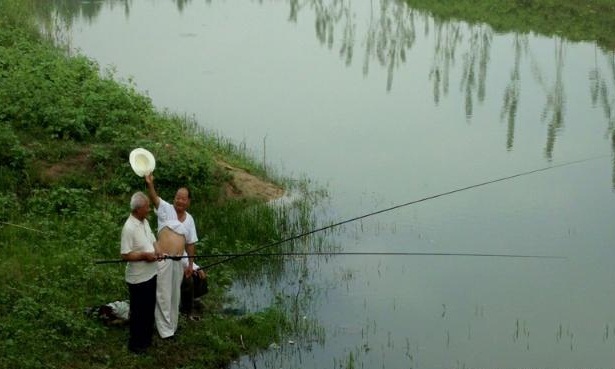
385, 105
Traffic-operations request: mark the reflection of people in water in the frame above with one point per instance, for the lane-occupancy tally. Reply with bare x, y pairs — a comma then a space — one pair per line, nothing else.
176, 234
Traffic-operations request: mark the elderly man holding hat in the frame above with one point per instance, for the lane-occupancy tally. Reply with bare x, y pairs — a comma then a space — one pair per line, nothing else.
176, 235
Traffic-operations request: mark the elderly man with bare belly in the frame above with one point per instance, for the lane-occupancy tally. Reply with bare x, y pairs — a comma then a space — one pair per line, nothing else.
176, 234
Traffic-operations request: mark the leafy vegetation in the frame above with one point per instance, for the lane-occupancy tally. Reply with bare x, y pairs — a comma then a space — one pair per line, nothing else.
591, 20
66, 131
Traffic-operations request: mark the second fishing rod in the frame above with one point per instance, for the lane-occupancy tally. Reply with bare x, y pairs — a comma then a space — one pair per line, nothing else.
461, 189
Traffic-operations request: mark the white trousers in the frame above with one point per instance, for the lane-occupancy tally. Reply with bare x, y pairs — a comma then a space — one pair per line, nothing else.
168, 293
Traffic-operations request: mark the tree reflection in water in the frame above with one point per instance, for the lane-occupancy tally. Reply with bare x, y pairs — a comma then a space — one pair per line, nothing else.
553, 111
511, 93
600, 96
476, 57
389, 36
447, 37
67, 11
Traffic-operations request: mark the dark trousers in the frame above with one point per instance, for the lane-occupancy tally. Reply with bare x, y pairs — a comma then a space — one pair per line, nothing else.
142, 305
192, 288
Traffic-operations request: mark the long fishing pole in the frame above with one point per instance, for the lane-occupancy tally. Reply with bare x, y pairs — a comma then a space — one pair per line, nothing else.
334, 253
257, 249
333, 225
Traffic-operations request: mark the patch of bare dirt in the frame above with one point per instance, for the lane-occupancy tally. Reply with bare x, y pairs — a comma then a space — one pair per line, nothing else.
248, 186
78, 163
242, 184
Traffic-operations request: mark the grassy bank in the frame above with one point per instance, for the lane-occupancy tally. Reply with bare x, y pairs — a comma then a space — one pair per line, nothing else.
591, 20
65, 183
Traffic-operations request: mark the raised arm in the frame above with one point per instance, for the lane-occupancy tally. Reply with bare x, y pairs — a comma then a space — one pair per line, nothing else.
151, 190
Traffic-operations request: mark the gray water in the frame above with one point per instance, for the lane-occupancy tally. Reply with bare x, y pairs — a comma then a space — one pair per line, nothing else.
385, 105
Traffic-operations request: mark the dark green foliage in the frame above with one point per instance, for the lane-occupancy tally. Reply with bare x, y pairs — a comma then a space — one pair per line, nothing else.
8, 205
13, 154
592, 20
63, 97
59, 200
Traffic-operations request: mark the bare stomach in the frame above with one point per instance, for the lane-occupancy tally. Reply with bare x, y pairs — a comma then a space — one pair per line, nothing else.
171, 243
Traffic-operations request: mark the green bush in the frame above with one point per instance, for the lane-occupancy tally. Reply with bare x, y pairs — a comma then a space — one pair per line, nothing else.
9, 206
12, 153
46, 91
60, 201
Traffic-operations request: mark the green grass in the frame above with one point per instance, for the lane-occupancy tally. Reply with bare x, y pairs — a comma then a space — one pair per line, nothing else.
576, 20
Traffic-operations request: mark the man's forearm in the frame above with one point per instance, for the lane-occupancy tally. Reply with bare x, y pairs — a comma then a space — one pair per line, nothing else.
151, 190
138, 256
190, 250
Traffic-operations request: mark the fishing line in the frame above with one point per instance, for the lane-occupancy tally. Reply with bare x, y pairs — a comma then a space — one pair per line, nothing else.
23, 227
333, 253
333, 225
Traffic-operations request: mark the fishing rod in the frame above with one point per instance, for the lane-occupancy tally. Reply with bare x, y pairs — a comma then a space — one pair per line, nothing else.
256, 250
333, 225
334, 253
371, 253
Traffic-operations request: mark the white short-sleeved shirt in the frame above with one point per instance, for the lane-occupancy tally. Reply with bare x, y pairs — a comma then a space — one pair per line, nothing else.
167, 217
138, 236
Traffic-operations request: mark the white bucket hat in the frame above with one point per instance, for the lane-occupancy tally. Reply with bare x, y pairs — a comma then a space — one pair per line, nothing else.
142, 162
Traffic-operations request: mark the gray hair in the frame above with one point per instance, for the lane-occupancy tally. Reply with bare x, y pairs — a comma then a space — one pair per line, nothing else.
137, 200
